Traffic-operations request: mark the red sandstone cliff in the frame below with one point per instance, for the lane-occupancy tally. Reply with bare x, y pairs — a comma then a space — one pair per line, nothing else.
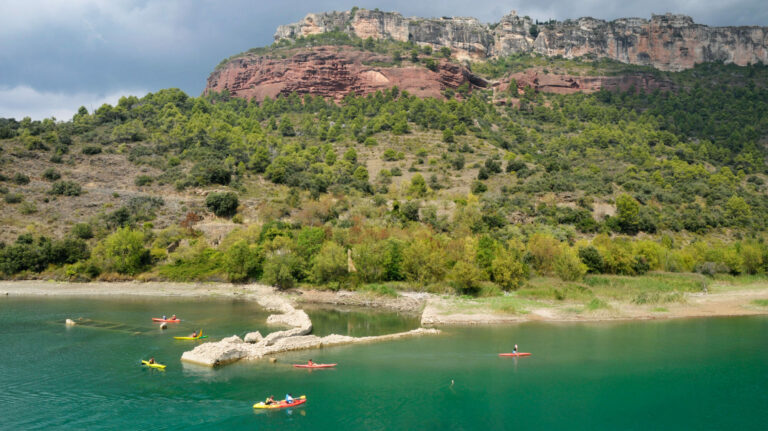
333, 72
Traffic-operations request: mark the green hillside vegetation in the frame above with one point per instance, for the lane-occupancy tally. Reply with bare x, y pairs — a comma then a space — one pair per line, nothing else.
460, 195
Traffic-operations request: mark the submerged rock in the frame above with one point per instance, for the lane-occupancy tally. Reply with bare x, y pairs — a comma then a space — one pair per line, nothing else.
255, 346
253, 337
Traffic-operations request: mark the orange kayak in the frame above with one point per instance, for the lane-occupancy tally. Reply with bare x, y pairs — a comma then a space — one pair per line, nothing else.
515, 354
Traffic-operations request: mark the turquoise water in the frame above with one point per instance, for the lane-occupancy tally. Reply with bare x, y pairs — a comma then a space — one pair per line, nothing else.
683, 374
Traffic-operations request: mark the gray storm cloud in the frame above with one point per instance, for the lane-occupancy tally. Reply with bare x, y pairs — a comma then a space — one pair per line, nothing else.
89, 47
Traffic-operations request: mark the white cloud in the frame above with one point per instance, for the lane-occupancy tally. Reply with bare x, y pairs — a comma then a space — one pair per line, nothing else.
22, 101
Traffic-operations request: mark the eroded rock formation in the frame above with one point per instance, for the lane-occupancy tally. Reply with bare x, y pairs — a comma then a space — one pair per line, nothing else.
666, 42
568, 84
333, 72
255, 346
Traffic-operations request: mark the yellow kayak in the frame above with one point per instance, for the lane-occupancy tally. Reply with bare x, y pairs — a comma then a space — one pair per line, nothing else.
199, 336
155, 365
281, 404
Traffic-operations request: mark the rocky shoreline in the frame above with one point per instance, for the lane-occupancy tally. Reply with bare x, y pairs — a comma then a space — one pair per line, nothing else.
255, 346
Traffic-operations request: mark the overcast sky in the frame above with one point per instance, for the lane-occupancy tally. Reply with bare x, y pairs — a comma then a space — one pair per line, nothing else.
56, 55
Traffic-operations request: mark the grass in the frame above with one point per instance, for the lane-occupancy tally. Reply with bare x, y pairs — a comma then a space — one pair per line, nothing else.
760, 302
659, 310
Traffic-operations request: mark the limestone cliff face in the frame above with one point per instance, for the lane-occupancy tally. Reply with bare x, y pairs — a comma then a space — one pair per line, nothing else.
667, 42
333, 72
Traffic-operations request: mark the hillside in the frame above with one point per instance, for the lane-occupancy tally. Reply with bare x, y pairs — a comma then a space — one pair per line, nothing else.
517, 166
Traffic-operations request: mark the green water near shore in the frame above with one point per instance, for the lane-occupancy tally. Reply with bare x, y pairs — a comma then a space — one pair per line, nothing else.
679, 374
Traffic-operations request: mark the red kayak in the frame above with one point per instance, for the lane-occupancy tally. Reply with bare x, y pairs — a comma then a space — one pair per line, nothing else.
314, 365
157, 319
515, 354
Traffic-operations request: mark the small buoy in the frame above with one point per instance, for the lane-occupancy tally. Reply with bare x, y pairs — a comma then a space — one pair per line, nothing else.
163, 325
69, 322
272, 360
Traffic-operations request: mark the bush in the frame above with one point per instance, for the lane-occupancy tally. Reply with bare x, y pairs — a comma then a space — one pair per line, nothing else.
51, 174
243, 262
82, 231
20, 179
91, 150
123, 252
66, 188
222, 204
143, 180
568, 266
279, 269
592, 258
13, 198
508, 271
330, 263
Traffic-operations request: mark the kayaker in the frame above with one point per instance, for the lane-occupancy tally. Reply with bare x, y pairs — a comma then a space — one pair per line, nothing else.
172, 317
194, 334
289, 398
151, 360
164, 317
270, 400
515, 349
310, 363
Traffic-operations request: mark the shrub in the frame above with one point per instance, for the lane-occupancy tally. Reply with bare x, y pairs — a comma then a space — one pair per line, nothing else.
568, 266
123, 252
330, 263
222, 204
243, 262
66, 188
508, 271
82, 231
478, 187
27, 208
20, 179
13, 198
91, 150
418, 187
592, 258
143, 180
431, 64
279, 269
51, 174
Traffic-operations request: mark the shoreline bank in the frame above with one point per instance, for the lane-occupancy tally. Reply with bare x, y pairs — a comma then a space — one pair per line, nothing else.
435, 310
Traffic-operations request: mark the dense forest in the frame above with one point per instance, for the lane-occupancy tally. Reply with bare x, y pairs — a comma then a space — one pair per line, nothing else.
475, 193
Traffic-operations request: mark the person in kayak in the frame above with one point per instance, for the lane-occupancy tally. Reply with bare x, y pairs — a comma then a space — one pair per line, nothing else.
194, 334
289, 398
151, 360
164, 317
270, 400
515, 349
310, 363
172, 317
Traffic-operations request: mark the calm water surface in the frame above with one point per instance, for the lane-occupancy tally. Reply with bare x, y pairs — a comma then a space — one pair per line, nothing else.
682, 374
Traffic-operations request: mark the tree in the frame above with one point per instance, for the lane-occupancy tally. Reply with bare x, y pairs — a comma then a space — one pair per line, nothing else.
279, 269
508, 270
222, 204
123, 252
418, 187
243, 262
737, 211
330, 264
627, 214
568, 266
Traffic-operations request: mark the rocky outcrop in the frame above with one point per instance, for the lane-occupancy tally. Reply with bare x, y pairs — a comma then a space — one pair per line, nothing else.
666, 42
333, 72
568, 84
255, 346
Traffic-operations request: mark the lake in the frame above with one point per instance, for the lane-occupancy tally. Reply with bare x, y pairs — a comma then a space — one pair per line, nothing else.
675, 374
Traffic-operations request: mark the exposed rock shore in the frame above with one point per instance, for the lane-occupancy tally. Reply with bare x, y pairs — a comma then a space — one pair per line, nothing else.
254, 346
